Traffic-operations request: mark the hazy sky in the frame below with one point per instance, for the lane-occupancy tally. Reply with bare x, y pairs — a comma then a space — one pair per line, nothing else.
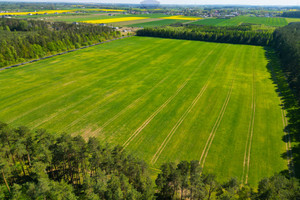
201, 2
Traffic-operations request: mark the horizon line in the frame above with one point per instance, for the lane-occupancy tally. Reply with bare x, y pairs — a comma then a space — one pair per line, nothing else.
94, 2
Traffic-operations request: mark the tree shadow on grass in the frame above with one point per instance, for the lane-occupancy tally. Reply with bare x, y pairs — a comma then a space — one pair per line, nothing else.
292, 110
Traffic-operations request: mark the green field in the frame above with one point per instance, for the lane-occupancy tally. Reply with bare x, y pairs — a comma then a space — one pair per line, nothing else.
209, 22
289, 20
164, 22
268, 21
162, 99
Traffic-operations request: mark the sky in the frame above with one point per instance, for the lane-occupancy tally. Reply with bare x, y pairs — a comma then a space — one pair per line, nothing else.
199, 2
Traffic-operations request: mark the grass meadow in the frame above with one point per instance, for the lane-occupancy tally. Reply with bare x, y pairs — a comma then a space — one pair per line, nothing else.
163, 22
162, 99
268, 21
289, 20
209, 22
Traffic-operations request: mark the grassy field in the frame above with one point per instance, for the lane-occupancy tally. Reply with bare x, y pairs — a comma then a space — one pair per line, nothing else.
243, 19
289, 20
209, 22
163, 22
162, 99
254, 20
131, 23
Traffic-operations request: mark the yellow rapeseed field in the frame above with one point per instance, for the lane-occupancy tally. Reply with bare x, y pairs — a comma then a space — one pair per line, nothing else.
38, 12
112, 20
106, 10
181, 17
58, 11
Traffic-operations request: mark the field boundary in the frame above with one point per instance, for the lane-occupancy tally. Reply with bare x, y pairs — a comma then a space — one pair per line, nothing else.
62, 53
288, 145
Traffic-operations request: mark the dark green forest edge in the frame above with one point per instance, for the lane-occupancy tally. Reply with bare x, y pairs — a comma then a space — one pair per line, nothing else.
40, 165
243, 34
36, 164
295, 14
23, 40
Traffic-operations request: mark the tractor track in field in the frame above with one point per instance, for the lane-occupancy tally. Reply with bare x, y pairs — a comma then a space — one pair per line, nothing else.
217, 123
215, 127
95, 105
134, 102
145, 123
127, 108
249, 142
247, 154
131, 105
91, 111
104, 102
182, 118
36, 124
169, 136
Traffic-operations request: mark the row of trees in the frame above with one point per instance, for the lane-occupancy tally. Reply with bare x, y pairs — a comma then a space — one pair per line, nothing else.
294, 14
40, 165
187, 181
236, 35
286, 42
45, 38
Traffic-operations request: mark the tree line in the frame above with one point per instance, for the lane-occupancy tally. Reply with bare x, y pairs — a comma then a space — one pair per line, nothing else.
293, 14
36, 38
236, 34
286, 43
35, 164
